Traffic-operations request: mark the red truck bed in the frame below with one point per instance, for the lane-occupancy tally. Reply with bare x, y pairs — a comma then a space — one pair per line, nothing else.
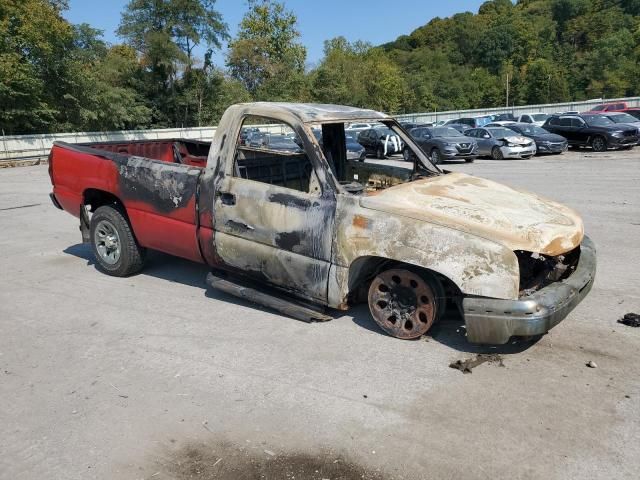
156, 181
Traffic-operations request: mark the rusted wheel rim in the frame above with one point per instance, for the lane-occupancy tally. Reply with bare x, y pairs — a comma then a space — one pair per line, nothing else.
402, 303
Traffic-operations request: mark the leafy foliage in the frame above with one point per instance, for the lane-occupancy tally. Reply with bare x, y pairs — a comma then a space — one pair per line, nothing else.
553, 50
266, 56
55, 76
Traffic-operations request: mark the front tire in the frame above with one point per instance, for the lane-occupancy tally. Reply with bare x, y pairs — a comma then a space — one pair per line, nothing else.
496, 153
436, 157
599, 144
403, 303
115, 248
406, 155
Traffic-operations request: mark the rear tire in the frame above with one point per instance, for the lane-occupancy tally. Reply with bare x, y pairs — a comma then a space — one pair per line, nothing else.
115, 248
469, 160
599, 144
496, 153
380, 152
406, 155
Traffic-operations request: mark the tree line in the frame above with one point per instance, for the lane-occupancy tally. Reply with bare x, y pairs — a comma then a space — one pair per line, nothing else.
56, 76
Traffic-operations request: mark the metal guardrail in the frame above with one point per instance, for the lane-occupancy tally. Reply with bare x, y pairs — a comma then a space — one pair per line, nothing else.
25, 147
517, 110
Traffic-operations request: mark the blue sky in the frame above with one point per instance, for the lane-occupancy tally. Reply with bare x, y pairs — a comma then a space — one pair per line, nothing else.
375, 21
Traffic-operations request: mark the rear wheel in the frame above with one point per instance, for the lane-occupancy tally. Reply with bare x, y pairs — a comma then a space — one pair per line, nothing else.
496, 153
406, 154
436, 157
116, 250
599, 144
469, 160
403, 303
380, 152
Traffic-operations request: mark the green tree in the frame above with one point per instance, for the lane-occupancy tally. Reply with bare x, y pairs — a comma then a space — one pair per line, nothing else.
34, 41
266, 56
357, 74
165, 33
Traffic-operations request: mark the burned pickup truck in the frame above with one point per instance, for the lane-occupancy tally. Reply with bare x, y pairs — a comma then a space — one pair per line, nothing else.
301, 228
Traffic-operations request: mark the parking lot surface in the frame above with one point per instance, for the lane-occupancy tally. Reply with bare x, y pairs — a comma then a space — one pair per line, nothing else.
157, 377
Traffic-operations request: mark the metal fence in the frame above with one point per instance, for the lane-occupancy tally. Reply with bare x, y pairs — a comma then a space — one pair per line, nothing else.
25, 147
517, 111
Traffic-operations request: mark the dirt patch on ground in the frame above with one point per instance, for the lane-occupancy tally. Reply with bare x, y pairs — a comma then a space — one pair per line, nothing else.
467, 365
230, 462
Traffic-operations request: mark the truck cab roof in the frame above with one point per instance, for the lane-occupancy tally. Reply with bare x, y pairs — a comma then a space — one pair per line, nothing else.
312, 112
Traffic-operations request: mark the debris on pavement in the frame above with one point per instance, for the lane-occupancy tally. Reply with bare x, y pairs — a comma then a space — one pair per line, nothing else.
467, 365
592, 364
630, 319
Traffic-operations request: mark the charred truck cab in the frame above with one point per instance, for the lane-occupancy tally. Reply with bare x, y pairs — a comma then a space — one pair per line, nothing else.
290, 222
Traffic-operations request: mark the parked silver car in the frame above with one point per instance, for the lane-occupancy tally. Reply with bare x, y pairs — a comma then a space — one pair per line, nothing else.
501, 142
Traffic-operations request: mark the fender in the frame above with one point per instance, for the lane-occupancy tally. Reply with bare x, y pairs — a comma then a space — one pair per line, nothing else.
477, 266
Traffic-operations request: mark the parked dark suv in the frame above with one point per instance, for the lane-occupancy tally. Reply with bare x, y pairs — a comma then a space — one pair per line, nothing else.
443, 143
380, 141
592, 130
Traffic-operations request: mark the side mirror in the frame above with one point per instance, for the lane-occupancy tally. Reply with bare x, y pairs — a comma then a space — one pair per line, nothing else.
486, 135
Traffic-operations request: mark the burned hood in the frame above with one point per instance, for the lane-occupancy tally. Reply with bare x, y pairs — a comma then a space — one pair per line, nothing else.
517, 219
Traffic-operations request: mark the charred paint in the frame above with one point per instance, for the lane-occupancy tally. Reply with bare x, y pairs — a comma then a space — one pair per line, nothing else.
288, 240
292, 200
162, 185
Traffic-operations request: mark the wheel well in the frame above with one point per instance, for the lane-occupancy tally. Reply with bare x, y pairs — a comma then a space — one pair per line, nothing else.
364, 269
98, 198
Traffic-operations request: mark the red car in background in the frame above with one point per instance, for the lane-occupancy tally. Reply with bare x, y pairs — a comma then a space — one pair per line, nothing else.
608, 107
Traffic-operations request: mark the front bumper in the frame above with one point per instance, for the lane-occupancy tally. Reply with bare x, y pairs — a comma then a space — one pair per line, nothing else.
519, 151
494, 321
458, 156
619, 142
557, 147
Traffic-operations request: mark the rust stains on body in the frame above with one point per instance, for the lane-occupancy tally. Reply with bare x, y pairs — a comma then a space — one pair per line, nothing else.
516, 219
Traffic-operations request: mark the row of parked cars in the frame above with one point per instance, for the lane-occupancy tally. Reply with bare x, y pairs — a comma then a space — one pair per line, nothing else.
499, 137
505, 136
